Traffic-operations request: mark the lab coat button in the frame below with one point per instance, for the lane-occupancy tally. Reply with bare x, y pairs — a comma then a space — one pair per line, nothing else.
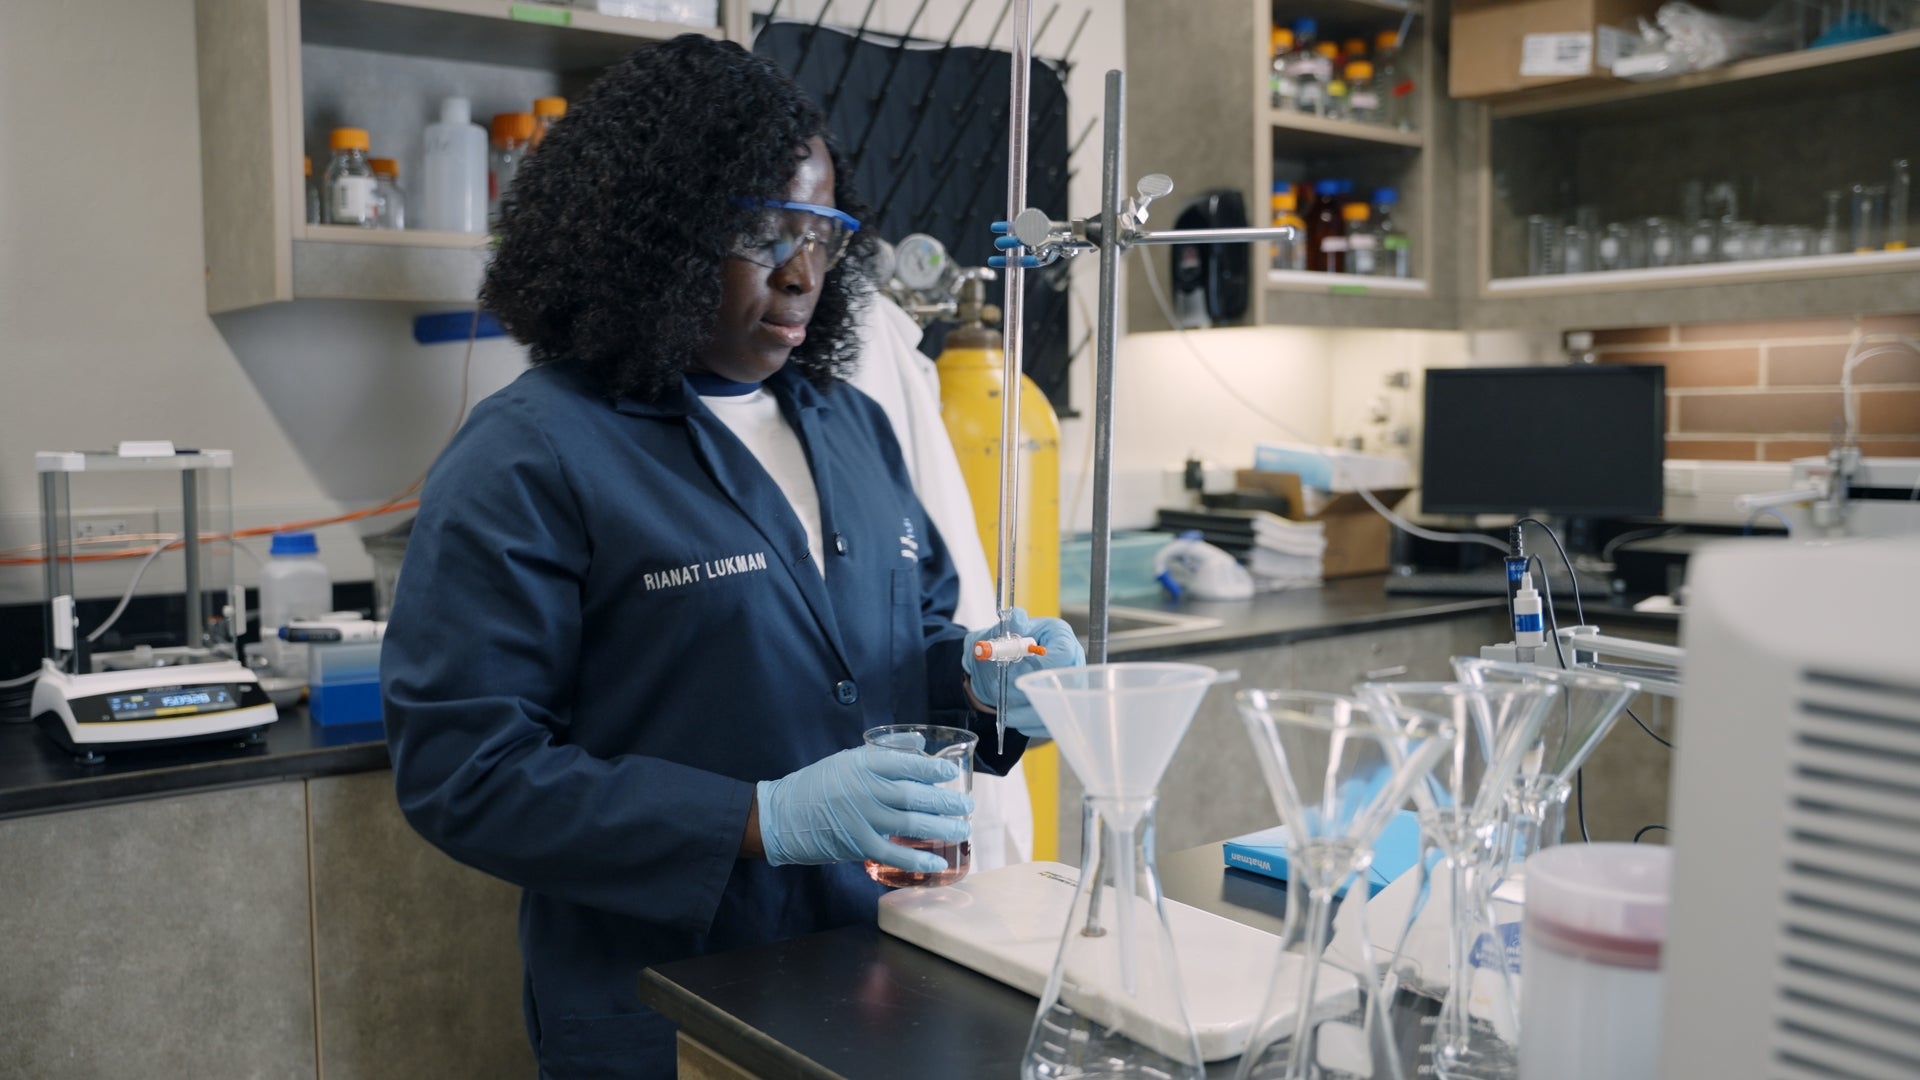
846, 692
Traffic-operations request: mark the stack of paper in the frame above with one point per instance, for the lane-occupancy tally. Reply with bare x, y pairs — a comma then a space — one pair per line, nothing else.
1286, 552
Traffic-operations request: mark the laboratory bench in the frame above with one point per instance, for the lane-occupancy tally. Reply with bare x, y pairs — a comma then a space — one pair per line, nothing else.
281, 880
856, 1002
37, 777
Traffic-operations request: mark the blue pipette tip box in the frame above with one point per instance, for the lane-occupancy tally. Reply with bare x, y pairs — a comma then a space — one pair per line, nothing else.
1265, 852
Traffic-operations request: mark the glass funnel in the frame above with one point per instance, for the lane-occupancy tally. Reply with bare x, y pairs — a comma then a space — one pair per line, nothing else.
1113, 1005
1462, 806
1588, 704
1336, 775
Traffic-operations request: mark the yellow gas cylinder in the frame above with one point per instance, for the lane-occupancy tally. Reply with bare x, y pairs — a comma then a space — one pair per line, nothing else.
972, 375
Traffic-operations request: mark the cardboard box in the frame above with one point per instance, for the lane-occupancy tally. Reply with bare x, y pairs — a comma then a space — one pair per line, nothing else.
1500, 46
1359, 540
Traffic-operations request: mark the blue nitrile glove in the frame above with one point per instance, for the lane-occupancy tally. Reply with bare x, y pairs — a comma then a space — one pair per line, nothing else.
1063, 650
844, 807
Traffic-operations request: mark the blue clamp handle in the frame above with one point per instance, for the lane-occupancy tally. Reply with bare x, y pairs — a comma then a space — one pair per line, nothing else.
1000, 261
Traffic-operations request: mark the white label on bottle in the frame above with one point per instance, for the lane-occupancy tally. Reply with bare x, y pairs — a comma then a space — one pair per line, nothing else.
1333, 244
1363, 242
1609, 248
1556, 54
1703, 246
1662, 248
1364, 100
352, 200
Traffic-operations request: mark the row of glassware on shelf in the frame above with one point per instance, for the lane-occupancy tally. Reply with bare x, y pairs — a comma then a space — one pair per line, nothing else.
1867, 217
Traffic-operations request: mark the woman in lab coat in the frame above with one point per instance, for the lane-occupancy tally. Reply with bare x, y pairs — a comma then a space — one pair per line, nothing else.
661, 584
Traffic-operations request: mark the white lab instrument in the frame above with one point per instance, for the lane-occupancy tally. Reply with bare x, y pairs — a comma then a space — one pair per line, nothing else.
1845, 495
1792, 948
196, 690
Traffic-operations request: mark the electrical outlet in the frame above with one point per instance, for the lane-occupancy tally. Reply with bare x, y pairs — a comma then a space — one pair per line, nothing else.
87, 528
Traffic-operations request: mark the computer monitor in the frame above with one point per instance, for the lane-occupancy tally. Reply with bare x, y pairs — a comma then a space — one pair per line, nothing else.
1586, 440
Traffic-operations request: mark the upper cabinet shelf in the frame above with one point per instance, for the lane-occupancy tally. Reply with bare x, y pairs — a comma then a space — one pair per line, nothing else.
1767, 78
276, 75
516, 33
1320, 136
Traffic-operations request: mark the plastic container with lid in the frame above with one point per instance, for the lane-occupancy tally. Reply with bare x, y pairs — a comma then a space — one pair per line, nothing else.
1596, 921
1336, 103
1326, 232
349, 198
547, 112
1363, 241
294, 584
1363, 94
1396, 251
1288, 254
313, 193
453, 182
390, 200
511, 135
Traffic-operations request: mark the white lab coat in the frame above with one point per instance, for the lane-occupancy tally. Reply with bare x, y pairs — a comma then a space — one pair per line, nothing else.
893, 372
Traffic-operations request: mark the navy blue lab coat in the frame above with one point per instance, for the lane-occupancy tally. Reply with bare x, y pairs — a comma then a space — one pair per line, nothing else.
607, 630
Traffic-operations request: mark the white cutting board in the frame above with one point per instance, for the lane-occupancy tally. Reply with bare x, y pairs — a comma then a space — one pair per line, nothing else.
1007, 924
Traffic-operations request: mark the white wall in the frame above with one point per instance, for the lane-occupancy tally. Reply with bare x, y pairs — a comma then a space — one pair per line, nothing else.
326, 406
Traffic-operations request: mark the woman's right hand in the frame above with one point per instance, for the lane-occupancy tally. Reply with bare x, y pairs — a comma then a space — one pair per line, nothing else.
845, 807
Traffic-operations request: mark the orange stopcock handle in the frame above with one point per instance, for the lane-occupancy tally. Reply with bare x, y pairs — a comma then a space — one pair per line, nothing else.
1007, 649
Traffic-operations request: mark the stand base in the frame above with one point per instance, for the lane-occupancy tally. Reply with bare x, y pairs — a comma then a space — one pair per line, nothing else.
1006, 924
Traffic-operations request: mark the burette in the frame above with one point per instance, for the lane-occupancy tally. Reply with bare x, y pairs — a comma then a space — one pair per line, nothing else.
1008, 648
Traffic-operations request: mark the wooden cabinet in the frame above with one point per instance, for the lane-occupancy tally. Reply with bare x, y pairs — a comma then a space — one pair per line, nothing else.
289, 929
277, 75
1229, 135
1785, 128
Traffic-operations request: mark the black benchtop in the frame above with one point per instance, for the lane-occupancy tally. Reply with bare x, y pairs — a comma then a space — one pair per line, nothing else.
36, 776
855, 1003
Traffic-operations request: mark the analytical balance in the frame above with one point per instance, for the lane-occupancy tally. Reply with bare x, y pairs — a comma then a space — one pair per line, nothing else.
189, 687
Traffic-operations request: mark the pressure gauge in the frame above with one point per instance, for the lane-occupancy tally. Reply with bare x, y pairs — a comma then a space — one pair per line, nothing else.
921, 262
883, 261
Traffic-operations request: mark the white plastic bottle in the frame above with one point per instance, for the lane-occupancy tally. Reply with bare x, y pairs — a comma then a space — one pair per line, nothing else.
294, 584
453, 181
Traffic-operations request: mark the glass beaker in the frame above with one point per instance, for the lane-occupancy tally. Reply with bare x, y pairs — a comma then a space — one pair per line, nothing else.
1829, 239
955, 745
1739, 241
1113, 1006
1543, 245
1869, 217
1576, 249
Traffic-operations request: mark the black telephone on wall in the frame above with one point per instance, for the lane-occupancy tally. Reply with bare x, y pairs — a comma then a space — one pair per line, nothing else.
1210, 281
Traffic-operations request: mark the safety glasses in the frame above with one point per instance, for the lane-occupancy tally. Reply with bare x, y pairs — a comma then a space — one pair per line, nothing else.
784, 229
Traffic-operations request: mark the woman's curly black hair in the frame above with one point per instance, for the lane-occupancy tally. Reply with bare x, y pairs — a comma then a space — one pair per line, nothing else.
612, 245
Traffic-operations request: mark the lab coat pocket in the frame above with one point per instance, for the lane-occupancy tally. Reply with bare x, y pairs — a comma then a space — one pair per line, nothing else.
623, 1046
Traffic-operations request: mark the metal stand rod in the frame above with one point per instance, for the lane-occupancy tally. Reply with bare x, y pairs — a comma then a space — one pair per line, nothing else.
1104, 349
1249, 235
50, 540
190, 546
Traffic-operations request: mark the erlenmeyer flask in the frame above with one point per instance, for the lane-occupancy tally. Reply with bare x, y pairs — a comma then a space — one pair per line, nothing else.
1588, 704
1113, 1005
1462, 808
1336, 775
